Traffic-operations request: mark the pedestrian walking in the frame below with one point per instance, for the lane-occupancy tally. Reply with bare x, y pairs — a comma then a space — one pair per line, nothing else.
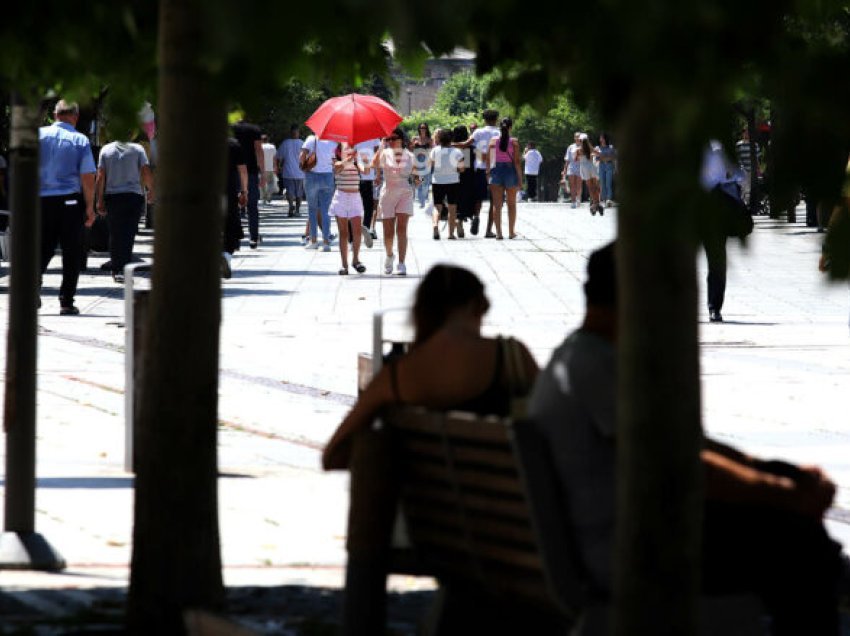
421, 146
533, 160
505, 176
319, 184
236, 194
571, 173
466, 187
249, 138
268, 182
589, 175
66, 187
722, 178
366, 151
123, 173
347, 206
396, 201
607, 155
480, 141
447, 164
292, 177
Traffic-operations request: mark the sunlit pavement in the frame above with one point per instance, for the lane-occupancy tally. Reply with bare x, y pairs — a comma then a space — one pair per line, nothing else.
774, 377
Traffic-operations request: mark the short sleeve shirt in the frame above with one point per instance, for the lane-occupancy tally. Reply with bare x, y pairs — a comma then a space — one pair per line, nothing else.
64, 155
288, 154
235, 158
573, 404
365, 153
481, 142
446, 162
533, 159
269, 152
247, 134
122, 163
324, 154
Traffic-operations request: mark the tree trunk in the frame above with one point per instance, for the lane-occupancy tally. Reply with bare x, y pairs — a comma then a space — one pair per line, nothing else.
176, 561
659, 478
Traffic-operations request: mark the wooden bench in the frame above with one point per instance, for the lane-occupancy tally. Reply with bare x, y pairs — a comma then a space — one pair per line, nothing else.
475, 502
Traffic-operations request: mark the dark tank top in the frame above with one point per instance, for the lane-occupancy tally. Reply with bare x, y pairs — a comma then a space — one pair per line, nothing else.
494, 400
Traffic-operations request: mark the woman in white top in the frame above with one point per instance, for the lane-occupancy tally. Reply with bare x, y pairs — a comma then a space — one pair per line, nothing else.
447, 163
396, 200
347, 206
587, 169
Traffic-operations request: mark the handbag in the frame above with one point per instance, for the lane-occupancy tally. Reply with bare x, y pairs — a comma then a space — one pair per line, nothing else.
308, 162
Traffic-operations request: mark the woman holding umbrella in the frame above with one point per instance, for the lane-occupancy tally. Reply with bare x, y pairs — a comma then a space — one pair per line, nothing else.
396, 200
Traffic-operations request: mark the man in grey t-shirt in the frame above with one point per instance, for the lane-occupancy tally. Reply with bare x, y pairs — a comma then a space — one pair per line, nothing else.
123, 172
763, 527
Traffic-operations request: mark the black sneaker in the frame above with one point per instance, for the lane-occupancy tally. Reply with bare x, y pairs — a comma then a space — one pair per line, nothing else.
436, 234
70, 310
118, 277
252, 244
714, 316
474, 227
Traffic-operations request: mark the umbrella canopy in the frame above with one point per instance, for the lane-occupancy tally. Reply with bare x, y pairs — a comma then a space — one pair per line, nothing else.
353, 118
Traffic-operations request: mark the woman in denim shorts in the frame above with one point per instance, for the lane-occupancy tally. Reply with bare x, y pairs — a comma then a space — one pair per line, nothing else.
504, 176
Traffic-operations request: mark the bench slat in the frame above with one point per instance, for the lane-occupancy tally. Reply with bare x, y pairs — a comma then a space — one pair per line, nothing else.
436, 540
495, 483
439, 495
497, 456
494, 528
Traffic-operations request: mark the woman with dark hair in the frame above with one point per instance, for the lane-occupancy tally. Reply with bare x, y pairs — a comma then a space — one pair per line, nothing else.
607, 167
395, 205
504, 174
447, 164
449, 365
466, 191
589, 174
421, 146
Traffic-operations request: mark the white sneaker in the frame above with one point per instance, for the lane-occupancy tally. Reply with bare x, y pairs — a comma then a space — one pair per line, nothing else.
326, 247
313, 246
401, 270
367, 236
388, 264
573, 205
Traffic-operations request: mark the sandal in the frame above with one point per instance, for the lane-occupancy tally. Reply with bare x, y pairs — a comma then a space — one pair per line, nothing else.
490, 235
343, 271
452, 237
360, 267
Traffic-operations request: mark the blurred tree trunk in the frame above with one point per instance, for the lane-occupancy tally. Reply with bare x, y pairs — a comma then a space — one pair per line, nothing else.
176, 560
659, 504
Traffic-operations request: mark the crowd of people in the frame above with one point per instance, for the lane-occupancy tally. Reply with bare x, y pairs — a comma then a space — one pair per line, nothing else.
448, 173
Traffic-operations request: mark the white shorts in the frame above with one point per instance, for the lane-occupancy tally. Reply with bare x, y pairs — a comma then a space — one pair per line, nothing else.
395, 201
346, 205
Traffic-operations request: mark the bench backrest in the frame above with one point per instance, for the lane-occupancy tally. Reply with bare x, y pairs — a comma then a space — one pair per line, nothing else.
481, 502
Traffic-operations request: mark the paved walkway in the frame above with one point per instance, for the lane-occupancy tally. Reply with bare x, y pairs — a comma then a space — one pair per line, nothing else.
775, 379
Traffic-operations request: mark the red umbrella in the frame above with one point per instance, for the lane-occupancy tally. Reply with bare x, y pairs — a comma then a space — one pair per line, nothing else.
353, 118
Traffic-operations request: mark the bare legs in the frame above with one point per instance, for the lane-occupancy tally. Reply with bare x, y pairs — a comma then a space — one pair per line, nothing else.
435, 218
497, 196
342, 225
401, 232
512, 192
575, 188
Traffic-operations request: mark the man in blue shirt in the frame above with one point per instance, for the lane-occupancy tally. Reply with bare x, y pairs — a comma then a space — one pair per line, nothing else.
67, 176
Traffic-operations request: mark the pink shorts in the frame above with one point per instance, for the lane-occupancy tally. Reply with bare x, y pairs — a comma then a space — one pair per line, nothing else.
395, 201
346, 205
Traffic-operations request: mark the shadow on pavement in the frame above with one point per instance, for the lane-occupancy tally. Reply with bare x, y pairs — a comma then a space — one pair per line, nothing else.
291, 610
